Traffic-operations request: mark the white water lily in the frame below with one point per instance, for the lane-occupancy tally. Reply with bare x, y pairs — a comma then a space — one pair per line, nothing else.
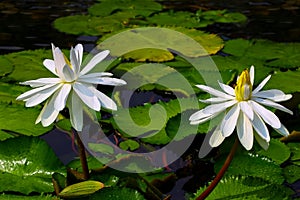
244, 111
74, 87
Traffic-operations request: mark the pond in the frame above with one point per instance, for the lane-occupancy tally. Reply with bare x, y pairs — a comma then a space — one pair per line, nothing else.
231, 33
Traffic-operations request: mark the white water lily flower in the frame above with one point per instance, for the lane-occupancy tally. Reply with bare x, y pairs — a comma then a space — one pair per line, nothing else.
72, 88
244, 111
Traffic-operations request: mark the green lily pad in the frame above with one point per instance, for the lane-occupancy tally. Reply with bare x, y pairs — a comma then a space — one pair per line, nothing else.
285, 81
6, 66
248, 164
28, 65
87, 25
149, 121
20, 197
27, 164
152, 55
277, 151
221, 16
245, 187
136, 7
15, 120
129, 144
181, 18
9, 93
280, 55
117, 193
291, 173
160, 38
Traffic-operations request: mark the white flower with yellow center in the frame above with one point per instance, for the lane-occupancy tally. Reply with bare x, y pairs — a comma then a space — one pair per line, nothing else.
244, 111
72, 88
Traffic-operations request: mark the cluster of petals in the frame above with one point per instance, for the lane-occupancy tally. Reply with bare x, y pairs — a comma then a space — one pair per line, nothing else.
248, 116
73, 87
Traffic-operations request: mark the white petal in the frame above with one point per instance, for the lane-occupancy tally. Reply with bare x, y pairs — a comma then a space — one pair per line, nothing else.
214, 92
76, 112
227, 89
245, 131
216, 138
87, 96
68, 74
79, 53
50, 65
213, 100
49, 114
282, 130
247, 109
229, 122
74, 62
105, 101
94, 61
263, 143
211, 109
41, 96
202, 120
61, 99
59, 61
260, 127
32, 92
41, 82
261, 85
268, 116
103, 81
96, 75
273, 94
252, 75
272, 104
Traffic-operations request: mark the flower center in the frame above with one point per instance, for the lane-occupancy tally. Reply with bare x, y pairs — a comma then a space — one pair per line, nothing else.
243, 88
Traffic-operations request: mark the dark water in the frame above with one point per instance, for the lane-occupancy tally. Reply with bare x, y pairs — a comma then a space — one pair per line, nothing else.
27, 24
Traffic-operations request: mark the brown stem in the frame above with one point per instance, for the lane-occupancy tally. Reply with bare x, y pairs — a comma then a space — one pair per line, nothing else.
221, 173
82, 156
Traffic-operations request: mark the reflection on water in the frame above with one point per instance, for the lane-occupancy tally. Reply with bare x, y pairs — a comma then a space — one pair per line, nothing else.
26, 24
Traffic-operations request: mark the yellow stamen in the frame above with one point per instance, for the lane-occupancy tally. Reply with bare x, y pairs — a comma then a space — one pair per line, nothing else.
243, 88
68, 62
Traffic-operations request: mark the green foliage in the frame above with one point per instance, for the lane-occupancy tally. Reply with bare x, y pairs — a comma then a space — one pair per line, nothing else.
291, 173
117, 194
18, 197
245, 187
16, 120
135, 7
129, 145
27, 164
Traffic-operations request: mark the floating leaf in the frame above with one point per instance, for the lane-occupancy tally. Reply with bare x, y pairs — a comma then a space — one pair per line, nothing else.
291, 173
282, 55
31, 197
28, 65
117, 193
129, 144
9, 93
27, 164
248, 164
245, 187
221, 16
12, 119
6, 66
277, 151
152, 55
100, 147
285, 81
181, 18
87, 25
158, 38
295, 149
136, 7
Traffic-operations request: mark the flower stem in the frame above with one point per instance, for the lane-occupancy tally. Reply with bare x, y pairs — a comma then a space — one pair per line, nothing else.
221, 173
83, 160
